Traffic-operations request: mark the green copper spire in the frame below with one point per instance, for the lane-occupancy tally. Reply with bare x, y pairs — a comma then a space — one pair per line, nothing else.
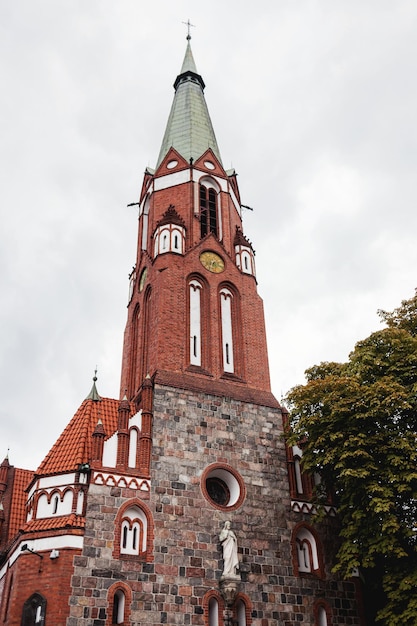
188, 65
93, 395
189, 129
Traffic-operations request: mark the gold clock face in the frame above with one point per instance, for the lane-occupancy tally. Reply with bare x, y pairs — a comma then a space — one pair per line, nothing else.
143, 279
212, 262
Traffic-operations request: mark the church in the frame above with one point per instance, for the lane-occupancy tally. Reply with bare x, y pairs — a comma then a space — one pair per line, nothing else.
179, 502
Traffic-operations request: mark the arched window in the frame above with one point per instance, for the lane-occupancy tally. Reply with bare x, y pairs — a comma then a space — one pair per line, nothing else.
241, 613
307, 552
213, 611
134, 529
145, 218
169, 234
146, 331
298, 477
208, 210
120, 598
304, 554
195, 322
34, 610
134, 350
322, 614
55, 502
322, 617
242, 610
302, 483
213, 605
134, 532
133, 447
226, 298
119, 602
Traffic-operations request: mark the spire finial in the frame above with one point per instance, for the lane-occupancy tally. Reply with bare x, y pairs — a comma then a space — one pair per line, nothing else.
93, 395
188, 25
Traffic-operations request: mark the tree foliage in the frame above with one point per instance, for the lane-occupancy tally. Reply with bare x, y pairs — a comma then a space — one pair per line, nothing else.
358, 424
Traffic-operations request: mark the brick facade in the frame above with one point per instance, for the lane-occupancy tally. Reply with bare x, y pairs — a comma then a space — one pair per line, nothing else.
195, 441
31, 574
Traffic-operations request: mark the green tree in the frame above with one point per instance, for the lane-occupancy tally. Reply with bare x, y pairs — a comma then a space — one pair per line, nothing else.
358, 424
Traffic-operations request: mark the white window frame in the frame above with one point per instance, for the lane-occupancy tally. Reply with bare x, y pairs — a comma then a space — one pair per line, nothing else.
226, 299
195, 289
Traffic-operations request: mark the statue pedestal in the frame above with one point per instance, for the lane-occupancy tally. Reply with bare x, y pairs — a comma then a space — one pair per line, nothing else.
229, 588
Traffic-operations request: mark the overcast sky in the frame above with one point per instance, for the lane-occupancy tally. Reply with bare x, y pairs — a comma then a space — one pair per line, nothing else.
313, 103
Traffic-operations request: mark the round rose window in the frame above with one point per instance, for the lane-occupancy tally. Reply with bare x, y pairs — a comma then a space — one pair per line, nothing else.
222, 486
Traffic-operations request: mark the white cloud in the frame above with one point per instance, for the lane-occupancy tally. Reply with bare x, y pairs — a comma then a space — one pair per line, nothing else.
312, 103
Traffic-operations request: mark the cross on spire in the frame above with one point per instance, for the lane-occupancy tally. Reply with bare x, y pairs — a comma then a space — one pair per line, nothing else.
188, 25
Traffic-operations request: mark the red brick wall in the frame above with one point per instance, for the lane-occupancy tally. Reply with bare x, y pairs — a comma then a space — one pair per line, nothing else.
52, 582
159, 339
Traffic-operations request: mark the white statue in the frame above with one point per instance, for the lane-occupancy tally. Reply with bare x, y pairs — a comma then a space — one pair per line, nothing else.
229, 544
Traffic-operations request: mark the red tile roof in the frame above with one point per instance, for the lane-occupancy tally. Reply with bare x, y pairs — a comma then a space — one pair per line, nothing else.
73, 447
55, 523
17, 514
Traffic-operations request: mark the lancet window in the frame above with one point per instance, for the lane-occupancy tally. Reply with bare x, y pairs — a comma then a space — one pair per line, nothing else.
241, 612
134, 534
133, 447
195, 294
321, 616
301, 483
119, 602
213, 609
307, 552
169, 238
226, 306
208, 210
120, 598
34, 610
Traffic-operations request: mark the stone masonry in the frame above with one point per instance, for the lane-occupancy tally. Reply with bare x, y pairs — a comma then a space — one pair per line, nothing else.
191, 432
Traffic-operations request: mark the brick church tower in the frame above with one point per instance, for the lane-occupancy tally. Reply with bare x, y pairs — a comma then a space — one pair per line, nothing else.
179, 503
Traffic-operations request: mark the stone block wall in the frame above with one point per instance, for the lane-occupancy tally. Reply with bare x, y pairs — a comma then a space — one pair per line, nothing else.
191, 433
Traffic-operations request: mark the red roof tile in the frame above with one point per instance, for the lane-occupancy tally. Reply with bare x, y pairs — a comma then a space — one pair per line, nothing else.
73, 447
55, 523
17, 512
